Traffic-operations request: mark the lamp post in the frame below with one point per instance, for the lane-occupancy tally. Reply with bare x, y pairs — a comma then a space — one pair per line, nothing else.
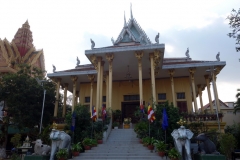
211, 72
40, 82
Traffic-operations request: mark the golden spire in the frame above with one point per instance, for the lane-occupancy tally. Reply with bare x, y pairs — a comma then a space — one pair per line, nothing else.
181, 122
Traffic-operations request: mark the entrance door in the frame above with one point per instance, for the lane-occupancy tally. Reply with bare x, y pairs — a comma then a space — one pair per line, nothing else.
128, 109
182, 106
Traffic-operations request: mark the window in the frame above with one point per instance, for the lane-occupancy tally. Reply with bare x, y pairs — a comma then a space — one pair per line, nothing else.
131, 97
87, 99
162, 96
181, 95
104, 98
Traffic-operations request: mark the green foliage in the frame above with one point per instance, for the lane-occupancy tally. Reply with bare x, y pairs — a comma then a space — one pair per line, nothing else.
227, 144
156, 127
98, 135
234, 20
235, 131
45, 135
76, 147
117, 114
15, 156
141, 129
62, 153
237, 104
83, 123
160, 145
173, 153
15, 140
115, 124
24, 97
87, 142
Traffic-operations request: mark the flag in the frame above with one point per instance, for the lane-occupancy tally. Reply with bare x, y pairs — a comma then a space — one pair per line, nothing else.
151, 115
104, 112
73, 121
141, 107
164, 120
94, 114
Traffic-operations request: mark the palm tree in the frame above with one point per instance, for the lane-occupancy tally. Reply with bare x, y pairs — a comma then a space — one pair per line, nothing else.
237, 104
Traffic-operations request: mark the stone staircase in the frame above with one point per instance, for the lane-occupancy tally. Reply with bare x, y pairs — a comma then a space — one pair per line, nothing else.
121, 144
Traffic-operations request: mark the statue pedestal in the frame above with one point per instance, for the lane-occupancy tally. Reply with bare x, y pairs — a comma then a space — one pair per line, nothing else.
33, 157
209, 157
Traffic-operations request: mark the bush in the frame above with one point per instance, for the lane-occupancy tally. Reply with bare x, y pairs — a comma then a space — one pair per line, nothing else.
227, 144
235, 131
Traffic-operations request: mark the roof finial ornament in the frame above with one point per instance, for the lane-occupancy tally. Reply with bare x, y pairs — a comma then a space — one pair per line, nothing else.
187, 53
112, 40
131, 11
54, 68
93, 44
125, 22
78, 62
157, 38
217, 56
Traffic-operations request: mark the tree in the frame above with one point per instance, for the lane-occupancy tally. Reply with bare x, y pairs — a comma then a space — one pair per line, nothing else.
234, 22
237, 104
24, 98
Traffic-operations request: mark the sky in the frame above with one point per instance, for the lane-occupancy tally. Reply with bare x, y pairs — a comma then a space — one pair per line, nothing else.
63, 30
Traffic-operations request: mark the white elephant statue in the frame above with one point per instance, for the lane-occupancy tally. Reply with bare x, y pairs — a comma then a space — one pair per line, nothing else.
60, 140
182, 138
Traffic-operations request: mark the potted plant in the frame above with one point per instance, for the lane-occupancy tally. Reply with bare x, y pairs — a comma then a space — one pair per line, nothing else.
99, 136
115, 125
76, 148
173, 154
150, 142
94, 143
62, 154
126, 123
161, 147
87, 143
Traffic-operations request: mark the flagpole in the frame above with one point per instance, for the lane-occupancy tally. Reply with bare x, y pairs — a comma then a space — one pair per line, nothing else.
92, 129
149, 127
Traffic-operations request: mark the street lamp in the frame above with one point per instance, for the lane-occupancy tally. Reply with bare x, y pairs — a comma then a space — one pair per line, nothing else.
40, 82
211, 72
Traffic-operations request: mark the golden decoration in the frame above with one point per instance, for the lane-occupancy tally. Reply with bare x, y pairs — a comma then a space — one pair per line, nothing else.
54, 125
181, 122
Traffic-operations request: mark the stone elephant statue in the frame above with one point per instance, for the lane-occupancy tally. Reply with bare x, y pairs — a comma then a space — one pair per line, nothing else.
207, 146
60, 140
182, 138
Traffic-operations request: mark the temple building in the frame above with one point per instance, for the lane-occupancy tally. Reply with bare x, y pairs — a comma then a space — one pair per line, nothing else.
133, 71
20, 51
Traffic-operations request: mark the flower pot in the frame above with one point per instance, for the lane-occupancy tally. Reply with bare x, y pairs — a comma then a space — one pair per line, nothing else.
150, 147
87, 147
100, 141
161, 153
75, 153
126, 126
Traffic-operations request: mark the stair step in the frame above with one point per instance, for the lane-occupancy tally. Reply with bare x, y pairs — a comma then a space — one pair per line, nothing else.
121, 144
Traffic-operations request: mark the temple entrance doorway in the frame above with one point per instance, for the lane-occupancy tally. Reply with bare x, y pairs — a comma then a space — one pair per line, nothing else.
128, 109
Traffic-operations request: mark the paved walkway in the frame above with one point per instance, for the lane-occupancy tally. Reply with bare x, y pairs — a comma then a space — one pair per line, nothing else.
121, 144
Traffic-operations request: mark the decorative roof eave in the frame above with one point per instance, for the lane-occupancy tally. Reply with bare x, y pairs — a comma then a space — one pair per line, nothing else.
58, 74
198, 64
125, 48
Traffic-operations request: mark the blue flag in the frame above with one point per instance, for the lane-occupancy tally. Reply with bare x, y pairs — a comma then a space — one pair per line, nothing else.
73, 121
164, 120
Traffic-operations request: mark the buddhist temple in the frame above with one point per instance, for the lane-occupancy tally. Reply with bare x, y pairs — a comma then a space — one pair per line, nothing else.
20, 51
133, 70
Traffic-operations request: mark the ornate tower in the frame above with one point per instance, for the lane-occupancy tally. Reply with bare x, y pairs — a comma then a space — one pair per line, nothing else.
23, 39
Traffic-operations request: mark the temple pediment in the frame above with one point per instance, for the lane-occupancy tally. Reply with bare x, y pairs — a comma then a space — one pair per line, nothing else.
132, 32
